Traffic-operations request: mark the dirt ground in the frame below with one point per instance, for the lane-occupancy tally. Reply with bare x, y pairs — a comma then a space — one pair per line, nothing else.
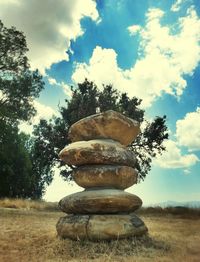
28, 235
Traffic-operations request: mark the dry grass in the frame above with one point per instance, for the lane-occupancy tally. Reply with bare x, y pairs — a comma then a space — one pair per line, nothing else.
28, 204
179, 211
17, 203
29, 235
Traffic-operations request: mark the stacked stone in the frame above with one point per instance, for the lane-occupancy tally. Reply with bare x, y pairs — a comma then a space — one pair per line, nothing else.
104, 167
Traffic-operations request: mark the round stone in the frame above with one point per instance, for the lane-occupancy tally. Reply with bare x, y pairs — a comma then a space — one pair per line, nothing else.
100, 227
97, 152
100, 201
109, 124
120, 177
73, 226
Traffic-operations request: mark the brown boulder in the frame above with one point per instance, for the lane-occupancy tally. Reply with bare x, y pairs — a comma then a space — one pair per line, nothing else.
97, 152
73, 226
100, 227
120, 177
100, 201
109, 124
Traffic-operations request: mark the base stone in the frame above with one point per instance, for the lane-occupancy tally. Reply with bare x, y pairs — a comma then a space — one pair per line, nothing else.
100, 227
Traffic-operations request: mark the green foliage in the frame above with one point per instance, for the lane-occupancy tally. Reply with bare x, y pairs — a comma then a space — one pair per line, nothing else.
86, 100
148, 144
18, 85
13, 50
18, 88
84, 103
20, 176
17, 95
49, 138
15, 164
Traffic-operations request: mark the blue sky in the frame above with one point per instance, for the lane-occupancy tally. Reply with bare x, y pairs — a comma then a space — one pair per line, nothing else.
149, 49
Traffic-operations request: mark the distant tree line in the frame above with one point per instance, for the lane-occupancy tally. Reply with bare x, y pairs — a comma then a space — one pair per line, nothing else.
27, 162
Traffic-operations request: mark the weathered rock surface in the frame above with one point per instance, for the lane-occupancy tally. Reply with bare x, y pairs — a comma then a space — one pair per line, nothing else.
104, 166
97, 152
73, 226
109, 124
120, 177
100, 227
100, 201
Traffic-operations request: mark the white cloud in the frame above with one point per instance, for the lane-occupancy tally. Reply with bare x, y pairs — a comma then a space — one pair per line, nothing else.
173, 158
48, 25
188, 135
52, 81
65, 87
102, 68
177, 5
16, 2
165, 59
181, 50
186, 171
134, 29
43, 112
154, 13
188, 130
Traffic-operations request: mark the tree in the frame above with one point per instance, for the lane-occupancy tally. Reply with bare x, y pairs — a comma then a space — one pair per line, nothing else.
15, 164
87, 99
20, 175
13, 50
19, 86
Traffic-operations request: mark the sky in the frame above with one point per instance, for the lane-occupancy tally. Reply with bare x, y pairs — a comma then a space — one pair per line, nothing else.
149, 49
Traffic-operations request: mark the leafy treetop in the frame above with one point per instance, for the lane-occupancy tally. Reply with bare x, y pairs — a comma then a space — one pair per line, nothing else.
18, 84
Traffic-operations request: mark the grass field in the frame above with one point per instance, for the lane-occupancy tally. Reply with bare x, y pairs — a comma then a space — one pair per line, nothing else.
28, 234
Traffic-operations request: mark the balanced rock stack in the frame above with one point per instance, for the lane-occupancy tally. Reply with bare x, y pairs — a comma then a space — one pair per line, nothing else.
104, 167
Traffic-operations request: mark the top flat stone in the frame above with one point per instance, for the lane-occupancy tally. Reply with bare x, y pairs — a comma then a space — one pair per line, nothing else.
109, 124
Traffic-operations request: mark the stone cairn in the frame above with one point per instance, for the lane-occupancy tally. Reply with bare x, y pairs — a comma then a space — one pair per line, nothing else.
104, 167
